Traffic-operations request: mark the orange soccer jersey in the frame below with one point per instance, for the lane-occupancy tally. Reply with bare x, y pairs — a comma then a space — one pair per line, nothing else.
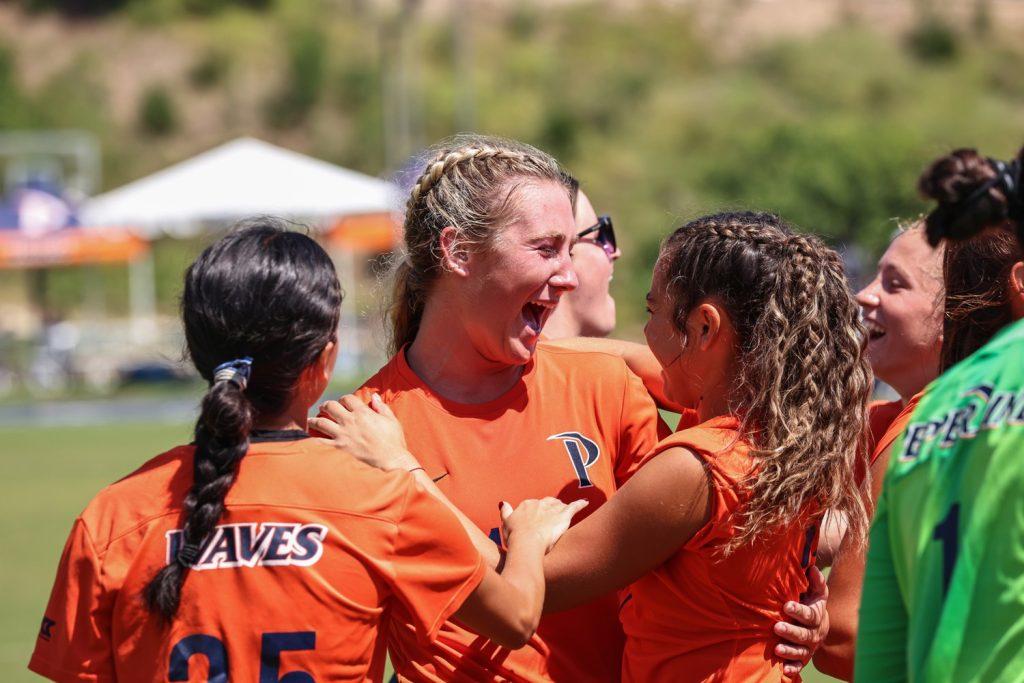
574, 426
880, 415
703, 616
895, 427
311, 552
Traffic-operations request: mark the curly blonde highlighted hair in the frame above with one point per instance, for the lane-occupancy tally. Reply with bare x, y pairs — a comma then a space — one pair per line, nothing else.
469, 184
803, 380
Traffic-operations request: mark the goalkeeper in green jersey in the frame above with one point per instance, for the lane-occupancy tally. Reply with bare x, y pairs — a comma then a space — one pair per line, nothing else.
944, 586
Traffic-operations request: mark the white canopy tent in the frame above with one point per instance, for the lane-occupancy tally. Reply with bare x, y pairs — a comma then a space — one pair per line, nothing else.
244, 177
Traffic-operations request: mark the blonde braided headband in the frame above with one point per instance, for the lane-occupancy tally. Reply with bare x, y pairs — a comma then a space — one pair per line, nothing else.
436, 170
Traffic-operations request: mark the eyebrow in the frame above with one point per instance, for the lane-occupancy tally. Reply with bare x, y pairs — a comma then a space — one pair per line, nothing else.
898, 271
553, 235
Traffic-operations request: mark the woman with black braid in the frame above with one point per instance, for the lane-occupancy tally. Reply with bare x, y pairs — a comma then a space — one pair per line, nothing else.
256, 552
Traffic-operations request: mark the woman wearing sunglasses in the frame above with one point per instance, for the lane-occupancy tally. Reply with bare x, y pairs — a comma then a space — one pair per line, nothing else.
589, 311
585, 317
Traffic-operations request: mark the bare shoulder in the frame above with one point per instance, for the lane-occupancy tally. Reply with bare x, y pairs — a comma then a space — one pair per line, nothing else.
676, 476
677, 463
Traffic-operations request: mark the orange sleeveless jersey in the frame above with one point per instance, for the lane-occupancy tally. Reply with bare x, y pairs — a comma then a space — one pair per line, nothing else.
573, 427
881, 414
895, 427
312, 550
701, 616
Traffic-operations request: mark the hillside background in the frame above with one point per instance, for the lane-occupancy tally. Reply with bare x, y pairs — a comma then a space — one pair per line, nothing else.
822, 110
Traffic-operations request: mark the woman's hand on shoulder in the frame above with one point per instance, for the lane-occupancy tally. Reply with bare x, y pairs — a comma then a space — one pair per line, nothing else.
371, 433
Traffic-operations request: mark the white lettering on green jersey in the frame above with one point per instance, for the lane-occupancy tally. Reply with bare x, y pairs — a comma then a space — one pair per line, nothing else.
944, 586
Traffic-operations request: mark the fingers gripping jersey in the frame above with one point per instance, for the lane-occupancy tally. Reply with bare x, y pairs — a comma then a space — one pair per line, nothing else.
943, 599
574, 427
312, 551
703, 616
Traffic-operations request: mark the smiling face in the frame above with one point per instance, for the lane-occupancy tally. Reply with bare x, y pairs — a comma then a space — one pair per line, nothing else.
667, 343
903, 308
511, 288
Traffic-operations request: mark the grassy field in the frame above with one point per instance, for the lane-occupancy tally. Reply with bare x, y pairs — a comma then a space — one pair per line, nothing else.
47, 477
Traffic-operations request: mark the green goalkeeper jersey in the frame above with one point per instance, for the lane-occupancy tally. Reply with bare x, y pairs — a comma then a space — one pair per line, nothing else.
944, 584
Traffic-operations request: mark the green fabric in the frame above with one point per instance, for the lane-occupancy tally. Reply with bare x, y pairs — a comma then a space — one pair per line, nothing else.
952, 510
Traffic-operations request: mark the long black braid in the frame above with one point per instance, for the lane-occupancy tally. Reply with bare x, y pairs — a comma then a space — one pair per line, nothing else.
263, 296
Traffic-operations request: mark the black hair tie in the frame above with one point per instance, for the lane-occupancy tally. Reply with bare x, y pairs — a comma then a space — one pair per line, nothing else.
187, 555
1010, 183
1007, 181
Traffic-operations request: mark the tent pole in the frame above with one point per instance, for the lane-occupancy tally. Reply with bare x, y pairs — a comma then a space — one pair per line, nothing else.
350, 354
142, 295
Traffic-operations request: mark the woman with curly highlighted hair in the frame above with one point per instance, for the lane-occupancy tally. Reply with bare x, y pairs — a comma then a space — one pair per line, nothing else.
755, 325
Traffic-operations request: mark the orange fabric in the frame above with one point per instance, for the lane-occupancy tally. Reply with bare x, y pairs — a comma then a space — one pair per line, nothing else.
567, 404
880, 415
375, 232
303, 604
896, 427
703, 616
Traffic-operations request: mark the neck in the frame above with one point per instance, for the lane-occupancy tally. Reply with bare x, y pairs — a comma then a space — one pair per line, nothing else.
715, 401
444, 357
909, 389
294, 417
562, 324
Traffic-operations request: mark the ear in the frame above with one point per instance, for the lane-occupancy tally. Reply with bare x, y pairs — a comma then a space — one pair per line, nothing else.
324, 365
454, 257
709, 324
1016, 290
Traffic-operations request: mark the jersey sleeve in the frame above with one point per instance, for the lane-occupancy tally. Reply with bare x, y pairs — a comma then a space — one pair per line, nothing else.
641, 428
881, 653
74, 638
434, 566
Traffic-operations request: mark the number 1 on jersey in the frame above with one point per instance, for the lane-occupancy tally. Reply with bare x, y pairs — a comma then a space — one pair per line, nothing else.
947, 532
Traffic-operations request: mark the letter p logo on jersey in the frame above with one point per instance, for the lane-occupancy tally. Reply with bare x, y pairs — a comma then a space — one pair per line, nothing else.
583, 453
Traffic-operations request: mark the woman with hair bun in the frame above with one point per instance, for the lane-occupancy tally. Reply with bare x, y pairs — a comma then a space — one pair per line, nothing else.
256, 552
941, 592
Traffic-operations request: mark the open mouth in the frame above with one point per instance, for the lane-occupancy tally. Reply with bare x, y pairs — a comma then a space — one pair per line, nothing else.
875, 331
535, 314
